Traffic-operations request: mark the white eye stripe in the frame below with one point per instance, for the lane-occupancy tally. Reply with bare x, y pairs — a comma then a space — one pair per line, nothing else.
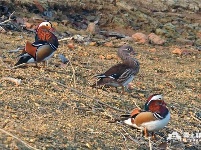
45, 24
155, 97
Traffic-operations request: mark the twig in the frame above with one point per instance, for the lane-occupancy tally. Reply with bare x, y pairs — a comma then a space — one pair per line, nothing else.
29, 146
195, 117
78, 92
65, 39
124, 137
16, 50
74, 81
150, 145
137, 105
9, 19
18, 66
130, 137
121, 134
16, 81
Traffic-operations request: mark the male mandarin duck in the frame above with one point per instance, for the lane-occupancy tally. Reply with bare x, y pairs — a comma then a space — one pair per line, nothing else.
46, 43
154, 117
121, 74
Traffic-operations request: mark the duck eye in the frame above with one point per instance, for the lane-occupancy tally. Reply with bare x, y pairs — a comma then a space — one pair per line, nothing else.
46, 24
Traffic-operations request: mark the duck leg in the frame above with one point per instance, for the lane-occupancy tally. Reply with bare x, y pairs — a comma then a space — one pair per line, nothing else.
145, 132
44, 64
123, 90
153, 136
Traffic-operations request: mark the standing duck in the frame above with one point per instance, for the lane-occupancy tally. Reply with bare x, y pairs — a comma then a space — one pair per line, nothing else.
46, 43
121, 74
154, 117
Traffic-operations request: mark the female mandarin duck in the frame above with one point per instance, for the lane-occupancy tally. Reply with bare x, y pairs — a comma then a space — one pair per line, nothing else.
155, 116
121, 74
46, 43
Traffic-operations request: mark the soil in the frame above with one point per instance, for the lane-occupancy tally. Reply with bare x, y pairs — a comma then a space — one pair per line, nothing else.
55, 107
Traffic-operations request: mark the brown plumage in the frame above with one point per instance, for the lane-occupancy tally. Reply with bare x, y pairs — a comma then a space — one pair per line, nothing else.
46, 43
121, 74
154, 117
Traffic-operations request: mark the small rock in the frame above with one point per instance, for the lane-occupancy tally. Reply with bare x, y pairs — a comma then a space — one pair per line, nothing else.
109, 44
177, 51
92, 28
19, 20
71, 45
101, 57
92, 43
153, 50
109, 57
64, 60
160, 31
65, 22
140, 38
28, 25
155, 39
54, 24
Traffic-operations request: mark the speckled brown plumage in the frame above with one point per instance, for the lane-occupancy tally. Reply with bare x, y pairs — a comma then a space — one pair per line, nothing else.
121, 74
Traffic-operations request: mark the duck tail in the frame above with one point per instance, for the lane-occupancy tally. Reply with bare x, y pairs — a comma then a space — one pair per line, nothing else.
23, 59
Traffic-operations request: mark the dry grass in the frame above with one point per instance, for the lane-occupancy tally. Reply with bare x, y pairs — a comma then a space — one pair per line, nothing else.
48, 112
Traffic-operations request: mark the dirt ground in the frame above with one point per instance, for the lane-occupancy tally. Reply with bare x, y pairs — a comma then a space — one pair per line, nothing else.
54, 107
51, 109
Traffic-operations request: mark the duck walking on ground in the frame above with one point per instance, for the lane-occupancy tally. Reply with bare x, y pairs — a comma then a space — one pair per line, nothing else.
46, 43
121, 74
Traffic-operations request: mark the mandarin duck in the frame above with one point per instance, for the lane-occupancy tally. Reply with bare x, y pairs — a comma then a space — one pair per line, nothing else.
121, 74
46, 43
154, 117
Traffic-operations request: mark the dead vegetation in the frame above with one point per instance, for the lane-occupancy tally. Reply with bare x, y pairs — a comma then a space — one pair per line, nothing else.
55, 107
48, 110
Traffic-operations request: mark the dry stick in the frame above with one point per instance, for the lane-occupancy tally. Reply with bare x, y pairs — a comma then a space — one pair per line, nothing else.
29, 146
16, 50
78, 92
9, 19
16, 81
65, 39
18, 66
195, 117
130, 137
123, 137
74, 81
73, 73
150, 145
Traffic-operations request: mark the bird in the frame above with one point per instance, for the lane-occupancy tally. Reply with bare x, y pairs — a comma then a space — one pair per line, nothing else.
46, 43
120, 75
154, 117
